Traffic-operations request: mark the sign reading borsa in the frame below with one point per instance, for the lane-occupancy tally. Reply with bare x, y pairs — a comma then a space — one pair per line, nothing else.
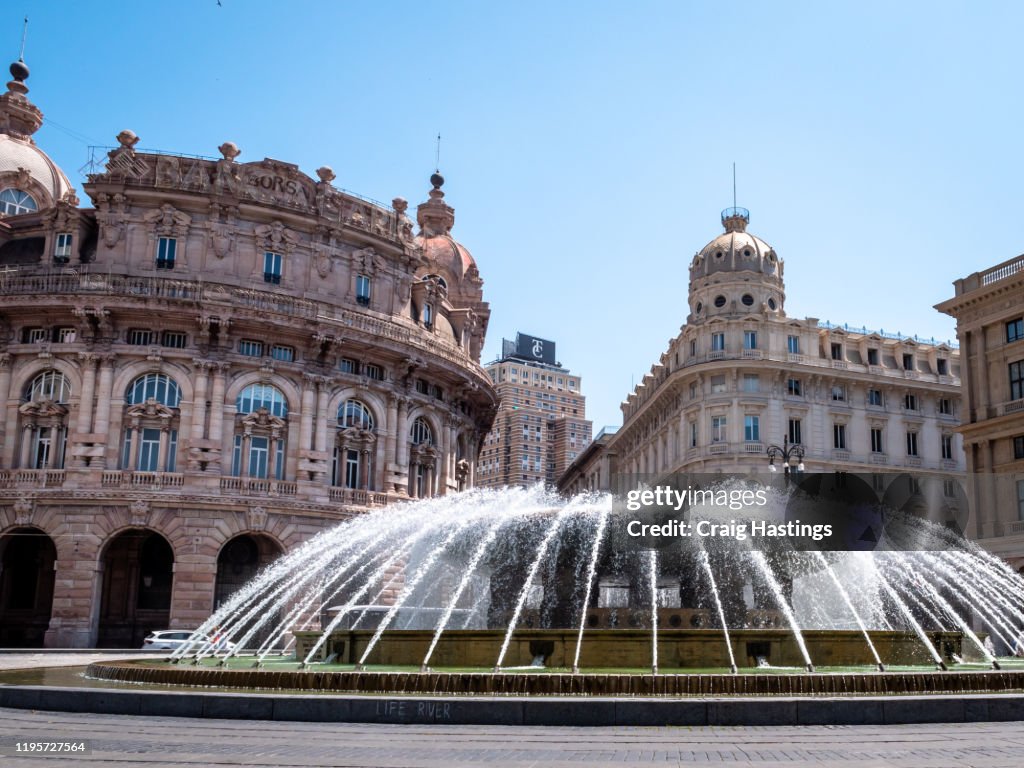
532, 348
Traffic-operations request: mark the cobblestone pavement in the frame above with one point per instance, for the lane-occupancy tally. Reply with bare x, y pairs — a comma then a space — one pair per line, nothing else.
29, 660
155, 742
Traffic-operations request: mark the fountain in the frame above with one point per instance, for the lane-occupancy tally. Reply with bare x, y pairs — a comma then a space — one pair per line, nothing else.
521, 591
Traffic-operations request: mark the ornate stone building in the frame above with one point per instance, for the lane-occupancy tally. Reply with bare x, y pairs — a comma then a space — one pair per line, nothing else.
216, 362
741, 376
989, 310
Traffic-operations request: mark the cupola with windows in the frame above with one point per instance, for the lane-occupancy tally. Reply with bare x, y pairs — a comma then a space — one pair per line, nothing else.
737, 273
29, 180
448, 293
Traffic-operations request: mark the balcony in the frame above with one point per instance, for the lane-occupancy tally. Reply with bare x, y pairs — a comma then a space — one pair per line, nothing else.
914, 461
1014, 406
32, 478
840, 454
359, 498
1015, 527
258, 486
718, 448
879, 458
752, 354
753, 446
148, 480
840, 364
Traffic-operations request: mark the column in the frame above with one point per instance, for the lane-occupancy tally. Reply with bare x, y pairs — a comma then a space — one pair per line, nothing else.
322, 394
161, 455
983, 401
402, 441
366, 466
202, 369
101, 422
5, 391
85, 403
217, 405
26, 446
272, 456
133, 449
391, 432
244, 460
306, 413
446, 444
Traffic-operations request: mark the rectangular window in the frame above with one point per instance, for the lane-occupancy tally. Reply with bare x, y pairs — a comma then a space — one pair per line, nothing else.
149, 448
718, 429
717, 342
717, 384
166, 250
751, 382
139, 337
693, 347
33, 335
283, 353
1015, 330
272, 263
949, 488
945, 406
363, 290
422, 386
839, 436
250, 348
947, 446
750, 339
837, 351
62, 249
374, 372
875, 397
173, 339
1020, 499
839, 393
877, 445
908, 362
66, 335
910, 402
796, 431
872, 356
943, 366
1017, 380
1018, 447
793, 345
693, 435
794, 388
347, 365
693, 391
911, 443
428, 315
751, 428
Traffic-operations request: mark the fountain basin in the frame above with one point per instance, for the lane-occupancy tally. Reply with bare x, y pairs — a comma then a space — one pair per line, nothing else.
678, 649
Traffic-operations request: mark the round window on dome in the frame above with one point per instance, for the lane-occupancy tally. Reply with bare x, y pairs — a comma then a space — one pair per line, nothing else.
719, 255
746, 252
771, 304
15, 201
748, 300
700, 307
719, 301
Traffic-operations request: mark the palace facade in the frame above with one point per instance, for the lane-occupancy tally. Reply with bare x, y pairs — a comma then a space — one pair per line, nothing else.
216, 361
989, 310
742, 376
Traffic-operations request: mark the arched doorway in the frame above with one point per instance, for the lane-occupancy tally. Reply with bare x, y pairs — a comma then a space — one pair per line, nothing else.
240, 559
138, 574
27, 556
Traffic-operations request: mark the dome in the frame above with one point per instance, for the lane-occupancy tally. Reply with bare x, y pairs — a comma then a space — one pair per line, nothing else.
25, 167
736, 250
447, 253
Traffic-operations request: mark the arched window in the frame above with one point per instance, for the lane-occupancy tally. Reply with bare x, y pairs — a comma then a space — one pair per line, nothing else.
15, 201
151, 421
422, 459
421, 432
260, 432
354, 447
44, 419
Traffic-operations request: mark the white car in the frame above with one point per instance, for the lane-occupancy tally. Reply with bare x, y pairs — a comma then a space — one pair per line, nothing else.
173, 639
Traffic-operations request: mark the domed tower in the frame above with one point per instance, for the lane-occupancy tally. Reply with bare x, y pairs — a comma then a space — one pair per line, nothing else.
448, 290
29, 180
736, 274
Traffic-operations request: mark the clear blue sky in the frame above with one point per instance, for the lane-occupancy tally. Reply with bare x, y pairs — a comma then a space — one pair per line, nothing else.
588, 147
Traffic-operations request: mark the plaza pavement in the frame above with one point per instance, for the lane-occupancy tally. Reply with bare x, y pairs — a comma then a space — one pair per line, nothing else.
123, 741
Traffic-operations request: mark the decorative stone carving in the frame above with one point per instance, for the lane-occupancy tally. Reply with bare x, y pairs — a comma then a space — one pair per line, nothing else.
222, 233
256, 518
139, 513
122, 161
111, 217
24, 511
276, 237
168, 221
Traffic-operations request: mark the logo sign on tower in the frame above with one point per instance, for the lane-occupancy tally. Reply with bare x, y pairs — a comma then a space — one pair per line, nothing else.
532, 348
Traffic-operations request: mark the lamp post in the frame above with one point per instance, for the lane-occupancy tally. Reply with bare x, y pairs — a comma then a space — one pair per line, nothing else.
788, 454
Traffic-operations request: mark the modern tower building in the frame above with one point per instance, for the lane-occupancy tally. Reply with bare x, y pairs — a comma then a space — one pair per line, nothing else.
541, 426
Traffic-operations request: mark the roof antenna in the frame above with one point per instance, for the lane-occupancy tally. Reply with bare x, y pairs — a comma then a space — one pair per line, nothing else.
24, 34
437, 155
734, 184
